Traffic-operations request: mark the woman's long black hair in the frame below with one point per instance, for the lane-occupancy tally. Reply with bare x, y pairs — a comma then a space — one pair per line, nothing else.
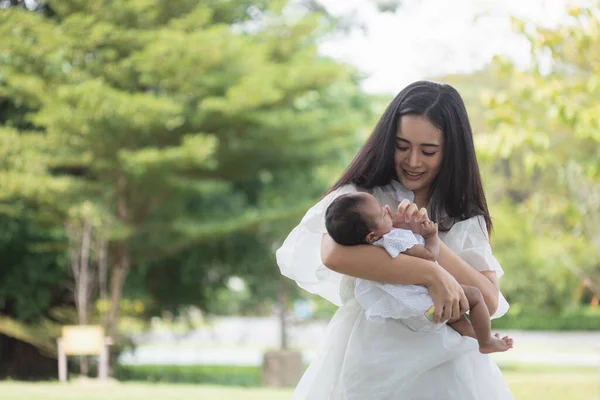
456, 194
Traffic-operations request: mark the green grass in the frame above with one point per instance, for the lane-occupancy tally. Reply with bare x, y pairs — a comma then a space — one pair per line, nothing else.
526, 382
134, 391
554, 386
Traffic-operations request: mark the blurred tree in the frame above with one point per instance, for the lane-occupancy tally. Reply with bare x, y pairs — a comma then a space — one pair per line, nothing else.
545, 139
536, 280
198, 127
33, 284
32, 287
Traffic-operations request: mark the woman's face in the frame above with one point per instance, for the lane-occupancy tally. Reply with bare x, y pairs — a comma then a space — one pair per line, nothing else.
418, 155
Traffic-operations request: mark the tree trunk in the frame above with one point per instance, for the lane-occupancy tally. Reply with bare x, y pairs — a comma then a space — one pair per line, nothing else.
117, 280
102, 267
121, 265
83, 286
282, 301
283, 367
83, 283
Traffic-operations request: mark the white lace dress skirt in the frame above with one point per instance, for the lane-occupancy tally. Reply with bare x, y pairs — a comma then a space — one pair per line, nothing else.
361, 359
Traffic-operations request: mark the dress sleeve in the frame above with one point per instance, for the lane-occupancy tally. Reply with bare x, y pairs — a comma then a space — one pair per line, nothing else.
299, 257
470, 241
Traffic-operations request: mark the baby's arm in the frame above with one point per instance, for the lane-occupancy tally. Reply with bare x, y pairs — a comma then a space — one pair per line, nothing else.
431, 250
421, 252
429, 231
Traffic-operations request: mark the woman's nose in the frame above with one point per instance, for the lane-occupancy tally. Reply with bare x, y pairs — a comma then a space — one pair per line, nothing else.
413, 159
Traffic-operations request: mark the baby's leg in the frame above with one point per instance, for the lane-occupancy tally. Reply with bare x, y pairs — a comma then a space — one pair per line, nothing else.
481, 324
463, 326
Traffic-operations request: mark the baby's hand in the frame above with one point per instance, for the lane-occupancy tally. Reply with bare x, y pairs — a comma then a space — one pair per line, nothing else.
428, 228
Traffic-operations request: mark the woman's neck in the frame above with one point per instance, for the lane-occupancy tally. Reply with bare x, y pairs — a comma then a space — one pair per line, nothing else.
421, 198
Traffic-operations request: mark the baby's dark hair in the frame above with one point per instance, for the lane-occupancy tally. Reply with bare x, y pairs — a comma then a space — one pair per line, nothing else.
344, 221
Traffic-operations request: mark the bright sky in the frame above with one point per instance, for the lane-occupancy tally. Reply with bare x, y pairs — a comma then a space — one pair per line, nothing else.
428, 38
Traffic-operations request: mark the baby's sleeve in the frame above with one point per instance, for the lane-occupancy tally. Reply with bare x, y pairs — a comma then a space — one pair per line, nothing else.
398, 241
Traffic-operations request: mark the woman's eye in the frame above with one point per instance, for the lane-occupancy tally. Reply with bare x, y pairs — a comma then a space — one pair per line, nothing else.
402, 148
428, 154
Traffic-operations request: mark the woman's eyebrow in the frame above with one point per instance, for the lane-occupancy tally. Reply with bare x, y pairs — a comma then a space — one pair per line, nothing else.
422, 144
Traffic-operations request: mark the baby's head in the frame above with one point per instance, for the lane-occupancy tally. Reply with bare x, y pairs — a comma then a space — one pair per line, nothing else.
357, 218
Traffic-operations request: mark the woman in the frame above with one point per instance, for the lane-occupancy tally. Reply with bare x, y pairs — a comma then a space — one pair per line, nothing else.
422, 152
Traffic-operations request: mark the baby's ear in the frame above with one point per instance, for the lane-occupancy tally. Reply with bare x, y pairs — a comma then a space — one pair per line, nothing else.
371, 237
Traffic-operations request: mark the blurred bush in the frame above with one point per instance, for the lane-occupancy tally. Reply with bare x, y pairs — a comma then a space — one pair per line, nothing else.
196, 374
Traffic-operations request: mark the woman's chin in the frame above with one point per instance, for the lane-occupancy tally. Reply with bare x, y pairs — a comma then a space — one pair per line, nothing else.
410, 184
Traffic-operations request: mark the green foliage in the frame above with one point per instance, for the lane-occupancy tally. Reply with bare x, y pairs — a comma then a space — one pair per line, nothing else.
536, 278
541, 259
41, 335
541, 153
33, 268
199, 133
569, 320
196, 131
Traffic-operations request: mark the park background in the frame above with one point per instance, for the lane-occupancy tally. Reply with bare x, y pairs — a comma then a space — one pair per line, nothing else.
155, 153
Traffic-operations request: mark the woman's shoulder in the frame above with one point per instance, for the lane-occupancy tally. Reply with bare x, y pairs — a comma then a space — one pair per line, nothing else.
332, 194
317, 211
393, 188
348, 188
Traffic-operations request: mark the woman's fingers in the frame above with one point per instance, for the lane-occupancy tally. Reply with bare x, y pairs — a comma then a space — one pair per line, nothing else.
464, 303
438, 314
455, 310
388, 210
448, 296
411, 213
403, 206
406, 210
447, 314
422, 215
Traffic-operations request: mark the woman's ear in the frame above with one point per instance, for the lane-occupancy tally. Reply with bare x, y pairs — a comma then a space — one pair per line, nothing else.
371, 237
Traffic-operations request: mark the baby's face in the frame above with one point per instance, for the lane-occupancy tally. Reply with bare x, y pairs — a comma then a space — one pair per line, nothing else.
379, 218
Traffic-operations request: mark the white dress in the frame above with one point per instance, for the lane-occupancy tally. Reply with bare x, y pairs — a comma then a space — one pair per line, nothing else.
386, 300
390, 359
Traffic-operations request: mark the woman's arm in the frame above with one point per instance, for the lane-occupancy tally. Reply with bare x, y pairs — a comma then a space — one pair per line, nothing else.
485, 281
374, 263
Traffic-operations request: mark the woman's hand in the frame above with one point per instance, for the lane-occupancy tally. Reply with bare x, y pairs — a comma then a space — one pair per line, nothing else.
409, 216
448, 297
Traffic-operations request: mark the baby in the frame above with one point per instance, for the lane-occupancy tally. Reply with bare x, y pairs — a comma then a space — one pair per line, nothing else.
357, 218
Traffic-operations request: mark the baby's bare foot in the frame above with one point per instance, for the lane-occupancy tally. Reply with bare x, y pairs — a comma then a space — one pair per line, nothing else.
496, 344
